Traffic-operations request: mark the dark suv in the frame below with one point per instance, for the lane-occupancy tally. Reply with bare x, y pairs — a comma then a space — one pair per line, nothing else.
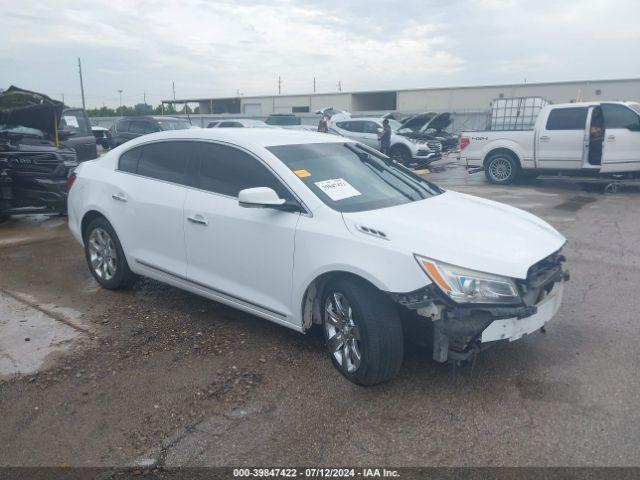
128, 128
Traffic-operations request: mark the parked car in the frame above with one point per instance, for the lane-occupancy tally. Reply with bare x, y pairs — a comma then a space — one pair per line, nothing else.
102, 136
128, 128
334, 114
242, 123
406, 150
594, 138
75, 132
305, 228
33, 167
283, 120
431, 126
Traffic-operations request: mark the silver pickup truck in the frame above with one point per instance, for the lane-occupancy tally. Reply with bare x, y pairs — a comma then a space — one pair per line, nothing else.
592, 138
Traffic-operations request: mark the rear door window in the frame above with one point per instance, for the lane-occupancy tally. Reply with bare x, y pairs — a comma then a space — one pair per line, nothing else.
137, 127
371, 127
128, 161
567, 118
165, 161
122, 125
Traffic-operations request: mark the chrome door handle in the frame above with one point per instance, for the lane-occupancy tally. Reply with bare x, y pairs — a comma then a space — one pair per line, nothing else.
611, 137
119, 197
198, 219
545, 138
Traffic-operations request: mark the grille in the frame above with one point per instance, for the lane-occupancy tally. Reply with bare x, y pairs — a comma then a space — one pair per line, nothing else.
541, 277
435, 146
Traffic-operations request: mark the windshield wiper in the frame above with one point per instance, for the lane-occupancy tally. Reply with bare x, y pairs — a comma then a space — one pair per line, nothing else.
367, 159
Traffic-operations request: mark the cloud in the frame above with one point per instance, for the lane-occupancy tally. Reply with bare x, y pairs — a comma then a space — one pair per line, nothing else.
221, 47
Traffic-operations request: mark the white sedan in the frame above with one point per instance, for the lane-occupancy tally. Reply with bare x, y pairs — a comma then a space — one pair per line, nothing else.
305, 228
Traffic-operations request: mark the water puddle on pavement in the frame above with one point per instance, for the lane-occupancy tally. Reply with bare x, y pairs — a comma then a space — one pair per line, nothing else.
575, 203
32, 336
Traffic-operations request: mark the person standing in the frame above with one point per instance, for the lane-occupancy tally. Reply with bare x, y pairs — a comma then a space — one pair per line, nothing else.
385, 137
323, 124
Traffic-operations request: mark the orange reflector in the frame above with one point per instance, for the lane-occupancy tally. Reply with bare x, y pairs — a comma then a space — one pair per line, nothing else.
433, 272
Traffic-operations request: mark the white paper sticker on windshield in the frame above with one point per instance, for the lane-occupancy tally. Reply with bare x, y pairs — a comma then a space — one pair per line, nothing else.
338, 189
71, 121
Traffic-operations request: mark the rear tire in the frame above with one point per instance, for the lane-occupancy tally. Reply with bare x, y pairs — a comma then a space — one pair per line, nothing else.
501, 169
400, 154
105, 256
362, 331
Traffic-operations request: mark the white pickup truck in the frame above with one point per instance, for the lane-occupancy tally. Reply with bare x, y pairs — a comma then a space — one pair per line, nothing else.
591, 138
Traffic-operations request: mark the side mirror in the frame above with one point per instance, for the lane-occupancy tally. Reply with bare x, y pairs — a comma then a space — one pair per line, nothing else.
65, 134
259, 197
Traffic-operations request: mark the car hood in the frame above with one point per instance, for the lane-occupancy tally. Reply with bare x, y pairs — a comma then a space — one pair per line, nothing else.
30, 109
463, 230
439, 122
423, 121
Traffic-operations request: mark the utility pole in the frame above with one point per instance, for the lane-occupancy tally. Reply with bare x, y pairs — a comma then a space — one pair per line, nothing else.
144, 95
173, 85
314, 84
339, 85
279, 85
120, 93
81, 85
62, 98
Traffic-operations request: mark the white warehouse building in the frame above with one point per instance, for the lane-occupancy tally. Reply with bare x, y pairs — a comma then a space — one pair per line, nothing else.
453, 99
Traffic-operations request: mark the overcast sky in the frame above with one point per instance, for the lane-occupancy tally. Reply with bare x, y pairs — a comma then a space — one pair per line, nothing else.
216, 48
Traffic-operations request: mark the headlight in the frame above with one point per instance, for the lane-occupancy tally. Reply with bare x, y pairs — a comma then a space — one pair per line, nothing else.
468, 286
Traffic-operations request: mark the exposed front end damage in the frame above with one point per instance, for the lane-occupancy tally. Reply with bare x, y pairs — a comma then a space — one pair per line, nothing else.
459, 331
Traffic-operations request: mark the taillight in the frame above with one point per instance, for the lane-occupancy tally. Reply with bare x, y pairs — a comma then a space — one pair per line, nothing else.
70, 179
464, 142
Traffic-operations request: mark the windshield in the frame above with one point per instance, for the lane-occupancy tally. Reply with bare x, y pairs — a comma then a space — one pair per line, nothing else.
395, 125
349, 177
20, 130
173, 124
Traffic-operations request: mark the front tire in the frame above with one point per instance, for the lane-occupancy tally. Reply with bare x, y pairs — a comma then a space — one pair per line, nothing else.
105, 256
400, 154
501, 169
362, 331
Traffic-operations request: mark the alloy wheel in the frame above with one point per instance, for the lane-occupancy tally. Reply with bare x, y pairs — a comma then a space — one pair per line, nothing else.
500, 169
342, 333
102, 254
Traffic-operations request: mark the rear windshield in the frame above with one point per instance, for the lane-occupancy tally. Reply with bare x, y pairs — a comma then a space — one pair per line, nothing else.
349, 177
173, 124
75, 121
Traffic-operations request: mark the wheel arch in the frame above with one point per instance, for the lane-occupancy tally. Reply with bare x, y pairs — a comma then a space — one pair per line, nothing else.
401, 145
88, 217
505, 151
310, 307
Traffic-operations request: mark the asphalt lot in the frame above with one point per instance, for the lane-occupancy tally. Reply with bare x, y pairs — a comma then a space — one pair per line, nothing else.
162, 375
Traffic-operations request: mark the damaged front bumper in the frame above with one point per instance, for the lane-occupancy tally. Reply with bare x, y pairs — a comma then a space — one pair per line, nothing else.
459, 331
514, 328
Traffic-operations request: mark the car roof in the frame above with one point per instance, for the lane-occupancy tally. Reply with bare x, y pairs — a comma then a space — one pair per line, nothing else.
586, 104
243, 137
359, 119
